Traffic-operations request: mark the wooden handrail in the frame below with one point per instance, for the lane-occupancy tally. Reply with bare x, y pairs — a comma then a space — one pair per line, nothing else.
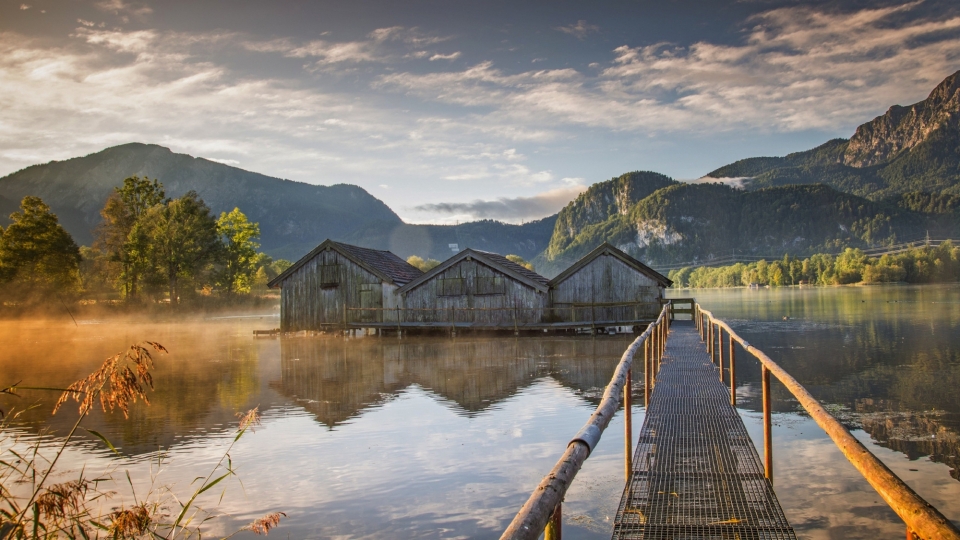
532, 518
920, 516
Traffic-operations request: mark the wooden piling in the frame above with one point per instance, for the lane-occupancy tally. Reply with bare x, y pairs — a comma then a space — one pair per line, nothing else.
720, 351
733, 374
554, 526
646, 374
628, 424
767, 425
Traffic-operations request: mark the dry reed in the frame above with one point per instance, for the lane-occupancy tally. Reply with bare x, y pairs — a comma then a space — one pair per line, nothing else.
64, 510
263, 525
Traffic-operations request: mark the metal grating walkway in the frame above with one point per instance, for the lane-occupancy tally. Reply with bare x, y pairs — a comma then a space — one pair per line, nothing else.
696, 473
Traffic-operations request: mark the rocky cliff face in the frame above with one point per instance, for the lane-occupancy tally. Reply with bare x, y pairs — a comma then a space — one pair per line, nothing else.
903, 128
616, 196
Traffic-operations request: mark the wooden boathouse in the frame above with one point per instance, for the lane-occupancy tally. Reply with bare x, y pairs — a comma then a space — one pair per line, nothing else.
339, 284
607, 286
342, 287
488, 289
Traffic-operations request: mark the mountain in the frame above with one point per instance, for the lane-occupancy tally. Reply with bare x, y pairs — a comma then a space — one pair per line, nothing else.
688, 222
294, 217
908, 149
527, 240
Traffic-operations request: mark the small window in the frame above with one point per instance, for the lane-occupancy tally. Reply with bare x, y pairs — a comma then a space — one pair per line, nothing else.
451, 287
329, 275
490, 285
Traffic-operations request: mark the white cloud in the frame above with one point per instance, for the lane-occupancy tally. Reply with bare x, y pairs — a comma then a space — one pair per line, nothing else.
451, 56
231, 162
510, 209
796, 69
123, 9
378, 47
579, 30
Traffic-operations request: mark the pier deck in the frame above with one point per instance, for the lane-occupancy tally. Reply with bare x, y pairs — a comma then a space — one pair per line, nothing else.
696, 473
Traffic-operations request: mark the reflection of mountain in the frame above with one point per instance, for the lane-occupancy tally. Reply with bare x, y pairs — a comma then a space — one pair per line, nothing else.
336, 379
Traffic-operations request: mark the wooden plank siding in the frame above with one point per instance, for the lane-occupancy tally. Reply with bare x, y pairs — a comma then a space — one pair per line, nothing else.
605, 280
308, 304
426, 302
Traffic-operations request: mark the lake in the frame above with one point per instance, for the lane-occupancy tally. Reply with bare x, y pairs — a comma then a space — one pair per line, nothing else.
434, 437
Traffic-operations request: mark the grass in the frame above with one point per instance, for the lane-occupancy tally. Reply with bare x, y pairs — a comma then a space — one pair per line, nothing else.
31, 507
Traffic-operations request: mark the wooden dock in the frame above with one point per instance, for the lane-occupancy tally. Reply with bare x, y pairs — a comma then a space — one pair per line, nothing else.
696, 473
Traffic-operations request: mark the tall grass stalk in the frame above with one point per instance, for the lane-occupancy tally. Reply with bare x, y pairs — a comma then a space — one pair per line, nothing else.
74, 509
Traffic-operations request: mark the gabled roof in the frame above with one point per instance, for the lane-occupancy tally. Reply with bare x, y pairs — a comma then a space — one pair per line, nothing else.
493, 260
607, 249
382, 264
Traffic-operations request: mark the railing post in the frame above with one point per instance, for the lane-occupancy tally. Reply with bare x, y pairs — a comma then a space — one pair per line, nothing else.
733, 375
399, 333
628, 424
647, 375
663, 334
552, 531
767, 427
710, 341
720, 350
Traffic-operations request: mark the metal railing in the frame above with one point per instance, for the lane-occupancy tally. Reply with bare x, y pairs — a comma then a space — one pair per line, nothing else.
543, 509
921, 518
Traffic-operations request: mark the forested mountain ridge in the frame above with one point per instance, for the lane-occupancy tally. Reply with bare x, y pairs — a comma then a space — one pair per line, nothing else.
699, 222
601, 201
294, 216
908, 149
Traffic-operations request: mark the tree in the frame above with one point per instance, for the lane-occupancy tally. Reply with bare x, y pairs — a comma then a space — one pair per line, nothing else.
123, 209
521, 261
422, 265
180, 238
38, 257
239, 257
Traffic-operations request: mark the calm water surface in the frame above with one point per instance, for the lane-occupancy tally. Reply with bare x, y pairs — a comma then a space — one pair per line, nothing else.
439, 438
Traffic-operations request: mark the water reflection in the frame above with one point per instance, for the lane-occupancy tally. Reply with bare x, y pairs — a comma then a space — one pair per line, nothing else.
336, 380
885, 359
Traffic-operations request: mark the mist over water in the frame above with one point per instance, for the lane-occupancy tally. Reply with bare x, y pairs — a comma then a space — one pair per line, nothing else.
445, 438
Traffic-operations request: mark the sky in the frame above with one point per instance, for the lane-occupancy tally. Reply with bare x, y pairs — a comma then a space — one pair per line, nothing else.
457, 110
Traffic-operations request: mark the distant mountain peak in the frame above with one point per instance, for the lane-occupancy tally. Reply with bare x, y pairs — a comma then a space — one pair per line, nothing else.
902, 128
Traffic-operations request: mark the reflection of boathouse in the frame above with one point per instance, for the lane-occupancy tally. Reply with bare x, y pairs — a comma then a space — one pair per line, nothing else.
339, 287
336, 380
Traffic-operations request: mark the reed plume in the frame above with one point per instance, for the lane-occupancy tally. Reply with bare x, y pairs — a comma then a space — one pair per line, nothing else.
127, 374
263, 525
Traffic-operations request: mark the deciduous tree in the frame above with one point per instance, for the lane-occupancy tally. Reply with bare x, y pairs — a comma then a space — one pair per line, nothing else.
38, 257
125, 206
239, 258
180, 238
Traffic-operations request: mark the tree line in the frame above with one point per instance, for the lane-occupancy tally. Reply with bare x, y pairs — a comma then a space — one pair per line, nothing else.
918, 265
148, 248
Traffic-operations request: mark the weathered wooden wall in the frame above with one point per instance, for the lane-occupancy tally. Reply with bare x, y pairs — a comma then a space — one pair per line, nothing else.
426, 304
606, 279
305, 305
